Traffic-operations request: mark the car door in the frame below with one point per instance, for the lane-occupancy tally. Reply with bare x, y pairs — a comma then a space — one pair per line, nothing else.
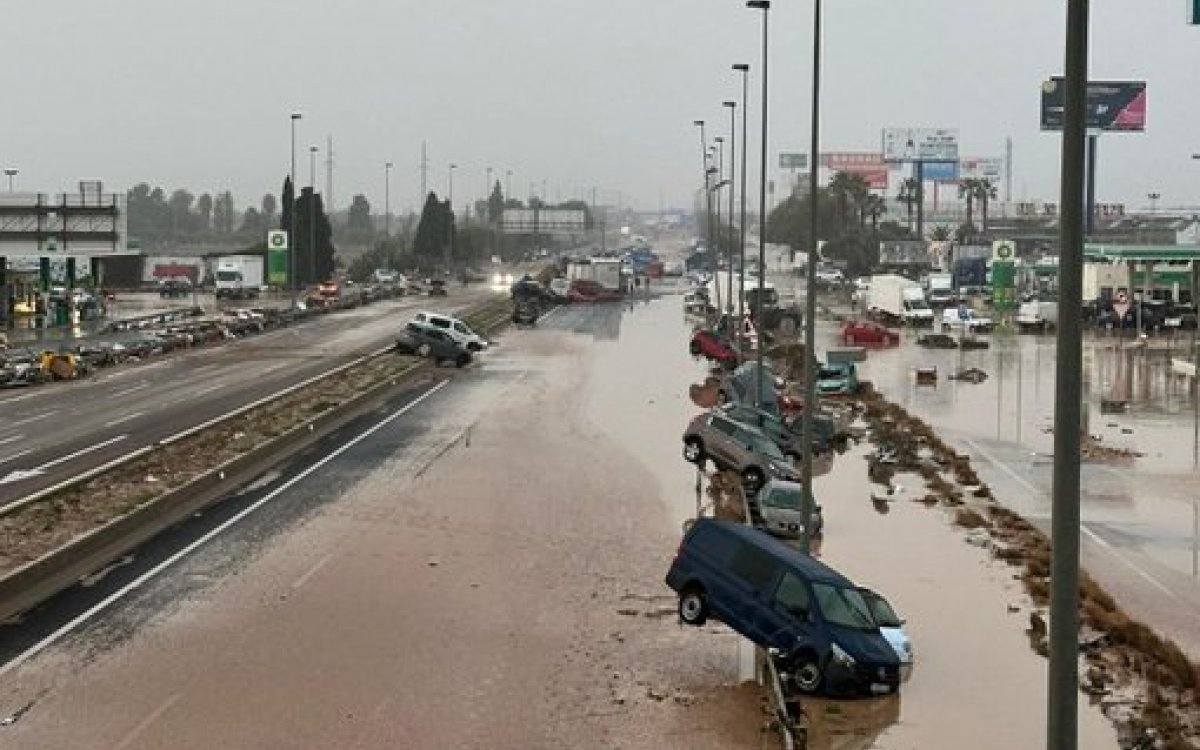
753, 575
785, 620
722, 446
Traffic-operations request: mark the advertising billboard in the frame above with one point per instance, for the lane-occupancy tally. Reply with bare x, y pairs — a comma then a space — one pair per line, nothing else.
867, 164
920, 144
793, 161
940, 171
1112, 106
982, 169
543, 221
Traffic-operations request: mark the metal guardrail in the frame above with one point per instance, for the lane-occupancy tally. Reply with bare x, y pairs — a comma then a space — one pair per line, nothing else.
41, 579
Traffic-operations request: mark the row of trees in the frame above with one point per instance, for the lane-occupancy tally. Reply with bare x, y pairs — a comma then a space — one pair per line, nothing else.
156, 217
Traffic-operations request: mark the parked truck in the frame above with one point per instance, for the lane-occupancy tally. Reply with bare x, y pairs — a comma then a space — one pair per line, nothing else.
604, 272
940, 288
239, 276
1039, 317
896, 299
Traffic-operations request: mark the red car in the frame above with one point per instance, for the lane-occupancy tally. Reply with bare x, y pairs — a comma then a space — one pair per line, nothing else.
710, 345
855, 332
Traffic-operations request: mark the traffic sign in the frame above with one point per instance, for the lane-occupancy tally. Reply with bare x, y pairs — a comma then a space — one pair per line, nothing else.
1003, 250
1194, 14
277, 240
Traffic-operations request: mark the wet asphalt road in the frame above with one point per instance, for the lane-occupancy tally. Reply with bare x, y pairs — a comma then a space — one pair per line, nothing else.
53, 432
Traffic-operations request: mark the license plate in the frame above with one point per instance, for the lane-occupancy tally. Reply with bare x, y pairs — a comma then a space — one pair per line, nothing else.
879, 688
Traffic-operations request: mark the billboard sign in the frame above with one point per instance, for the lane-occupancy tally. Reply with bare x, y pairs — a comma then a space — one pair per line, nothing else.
940, 171
920, 144
1112, 106
543, 221
866, 164
982, 169
793, 161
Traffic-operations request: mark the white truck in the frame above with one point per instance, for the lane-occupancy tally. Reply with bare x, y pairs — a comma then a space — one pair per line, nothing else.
896, 299
603, 271
940, 288
1037, 316
963, 317
239, 276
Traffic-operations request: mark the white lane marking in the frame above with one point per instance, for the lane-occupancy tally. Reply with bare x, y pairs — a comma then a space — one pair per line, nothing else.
311, 571
1083, 526
11, 439
208, 389
141, 580
15, 456
35, 418
131, 389
78, 453
146, 723
125, 418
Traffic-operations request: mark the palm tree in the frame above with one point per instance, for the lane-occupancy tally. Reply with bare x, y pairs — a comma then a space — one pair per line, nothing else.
873, 206
985, 191
966, 189
910, 193
940, 233
841, 189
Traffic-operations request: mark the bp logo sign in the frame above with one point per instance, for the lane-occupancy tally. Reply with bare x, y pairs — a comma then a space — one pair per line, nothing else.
277, 240
1003, 250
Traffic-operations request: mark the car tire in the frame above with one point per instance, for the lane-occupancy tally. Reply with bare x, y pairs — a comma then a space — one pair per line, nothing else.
753, 479
462, 360
693, 451
423, 350
694, 348
693, 606
807, 675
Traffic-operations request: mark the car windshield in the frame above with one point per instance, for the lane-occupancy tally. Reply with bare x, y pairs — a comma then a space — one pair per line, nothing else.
881, 610
787, 498
843, 606
831, 373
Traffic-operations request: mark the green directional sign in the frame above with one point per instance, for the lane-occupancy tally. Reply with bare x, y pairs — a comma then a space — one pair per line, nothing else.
1194, 12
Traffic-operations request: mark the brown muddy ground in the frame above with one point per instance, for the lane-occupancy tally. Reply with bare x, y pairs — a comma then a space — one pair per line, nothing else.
502, 592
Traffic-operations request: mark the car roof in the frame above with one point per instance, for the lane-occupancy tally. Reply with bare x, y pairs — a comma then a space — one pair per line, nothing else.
813, 569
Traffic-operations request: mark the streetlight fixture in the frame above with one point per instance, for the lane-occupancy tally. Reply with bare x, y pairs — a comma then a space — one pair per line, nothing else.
1154, 201
11, 172
732, 105
765, 7
719, 157
810, 301
291, 211
312, 214
744, 69
387, 200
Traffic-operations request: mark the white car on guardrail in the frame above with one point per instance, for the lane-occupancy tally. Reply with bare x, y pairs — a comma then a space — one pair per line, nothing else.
455, 328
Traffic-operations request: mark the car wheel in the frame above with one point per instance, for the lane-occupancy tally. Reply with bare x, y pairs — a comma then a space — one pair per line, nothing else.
693, 451
753, 479
693, 609
694, 348
807, 675
463, 360
424, 350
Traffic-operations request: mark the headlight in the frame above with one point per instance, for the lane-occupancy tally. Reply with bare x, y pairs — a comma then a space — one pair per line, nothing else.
841, 657
497, 279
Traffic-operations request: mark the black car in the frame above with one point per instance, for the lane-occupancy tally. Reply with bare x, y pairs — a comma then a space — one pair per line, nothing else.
426, 341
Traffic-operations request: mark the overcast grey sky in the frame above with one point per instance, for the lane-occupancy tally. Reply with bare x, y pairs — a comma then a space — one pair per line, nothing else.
578, 94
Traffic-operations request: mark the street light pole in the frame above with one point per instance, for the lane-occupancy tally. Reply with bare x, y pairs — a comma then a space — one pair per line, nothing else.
1062, 730
732, 195
11, 172
387, 200
291, 211
450, 202
720, 182
765, 7
707, 194
810, 300
744, 69
312, 214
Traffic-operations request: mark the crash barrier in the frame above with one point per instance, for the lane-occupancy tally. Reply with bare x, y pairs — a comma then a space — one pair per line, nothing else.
160, 318
41, 579
785, 711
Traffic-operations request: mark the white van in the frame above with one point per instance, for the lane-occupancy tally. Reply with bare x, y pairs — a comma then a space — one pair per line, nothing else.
455, 328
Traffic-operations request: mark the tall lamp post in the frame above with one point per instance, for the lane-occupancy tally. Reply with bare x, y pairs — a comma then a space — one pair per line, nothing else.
744, 69
810, 301
291, 228
719, 158
765, 7
11, 172
450, 202
707, 194
387, 200
732, 195
312, 214
1062, 730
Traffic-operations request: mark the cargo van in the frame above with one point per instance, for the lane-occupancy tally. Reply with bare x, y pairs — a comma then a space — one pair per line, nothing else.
815, 619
